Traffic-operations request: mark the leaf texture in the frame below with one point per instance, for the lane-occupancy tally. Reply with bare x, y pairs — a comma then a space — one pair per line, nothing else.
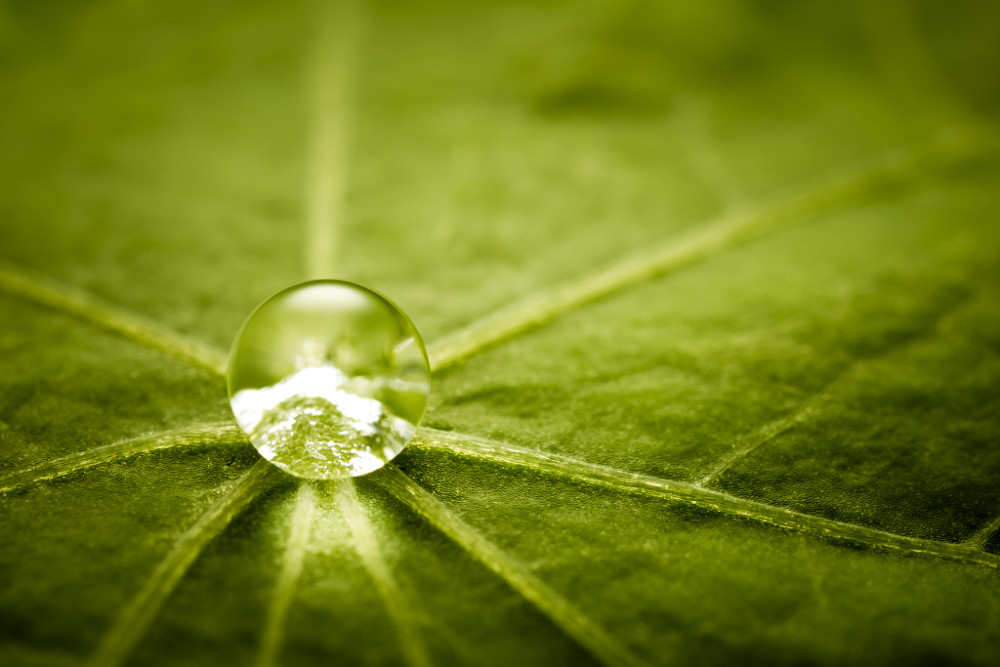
711, 293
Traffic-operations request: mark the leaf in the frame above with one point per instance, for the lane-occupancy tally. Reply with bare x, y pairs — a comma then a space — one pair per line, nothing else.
710, 291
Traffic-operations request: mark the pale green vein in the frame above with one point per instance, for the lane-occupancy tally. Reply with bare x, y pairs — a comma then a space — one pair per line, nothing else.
211, 434
330, 69
88, 307
567, 616
773, 429
367, 546
982, 536
288, 579
814, 405
733, 228
566, 467
140, 612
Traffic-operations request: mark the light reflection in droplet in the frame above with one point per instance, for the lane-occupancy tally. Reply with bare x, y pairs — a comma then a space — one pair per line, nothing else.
328, 379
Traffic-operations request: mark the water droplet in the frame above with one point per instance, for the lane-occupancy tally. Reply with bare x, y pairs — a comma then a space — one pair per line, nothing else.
328, 379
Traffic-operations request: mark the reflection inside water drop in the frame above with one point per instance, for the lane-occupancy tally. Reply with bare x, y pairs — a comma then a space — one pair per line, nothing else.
328, 379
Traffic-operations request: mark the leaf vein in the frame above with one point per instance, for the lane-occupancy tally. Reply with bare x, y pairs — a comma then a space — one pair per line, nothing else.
566, 467
210, 434
69, 300
329, 76
567, 616
137, 616
367, 546
982, 536
288, 579
818, 402
731, 229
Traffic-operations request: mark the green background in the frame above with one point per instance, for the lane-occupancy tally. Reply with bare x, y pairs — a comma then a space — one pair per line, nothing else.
711, 288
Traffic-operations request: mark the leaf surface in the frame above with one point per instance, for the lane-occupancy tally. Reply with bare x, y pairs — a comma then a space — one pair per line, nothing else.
711, 293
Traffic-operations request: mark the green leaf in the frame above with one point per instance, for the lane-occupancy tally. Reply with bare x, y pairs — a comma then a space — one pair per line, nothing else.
711, 292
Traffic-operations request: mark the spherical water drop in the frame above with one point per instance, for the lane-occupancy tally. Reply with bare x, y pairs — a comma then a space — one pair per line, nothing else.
328, 379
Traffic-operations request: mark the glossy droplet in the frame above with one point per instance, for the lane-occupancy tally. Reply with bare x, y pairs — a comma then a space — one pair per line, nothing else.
328, 379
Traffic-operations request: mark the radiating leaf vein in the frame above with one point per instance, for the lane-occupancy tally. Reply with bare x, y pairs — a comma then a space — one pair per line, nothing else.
816, 403
567, 616
330, 73
367, 546
566, 467
731, 229
209, 434
140, 612
983, 535
288, 579
113, 318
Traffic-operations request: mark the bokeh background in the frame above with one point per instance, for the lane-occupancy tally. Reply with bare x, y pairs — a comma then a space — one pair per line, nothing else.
823, 339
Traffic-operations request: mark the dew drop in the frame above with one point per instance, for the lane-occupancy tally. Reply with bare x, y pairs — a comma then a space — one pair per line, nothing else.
328, 379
